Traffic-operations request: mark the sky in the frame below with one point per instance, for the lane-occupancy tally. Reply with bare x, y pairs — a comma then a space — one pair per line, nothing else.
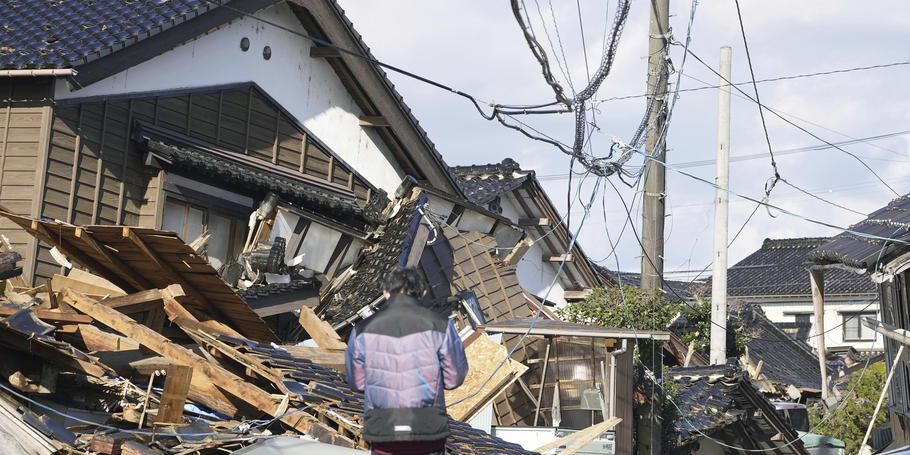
476, 46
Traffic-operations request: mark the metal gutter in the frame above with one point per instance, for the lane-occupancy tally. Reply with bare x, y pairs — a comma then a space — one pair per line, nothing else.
55, 72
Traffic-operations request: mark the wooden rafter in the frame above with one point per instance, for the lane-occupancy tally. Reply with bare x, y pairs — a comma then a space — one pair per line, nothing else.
115, 265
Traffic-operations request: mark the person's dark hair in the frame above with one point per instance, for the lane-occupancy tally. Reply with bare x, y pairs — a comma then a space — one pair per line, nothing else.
405, 281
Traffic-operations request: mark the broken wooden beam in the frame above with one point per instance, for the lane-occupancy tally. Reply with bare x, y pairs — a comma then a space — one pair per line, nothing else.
205, 374
51, 316
531, 222
320, 331
375, 121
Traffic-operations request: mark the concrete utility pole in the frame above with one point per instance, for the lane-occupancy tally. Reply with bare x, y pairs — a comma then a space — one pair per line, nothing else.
721, 217
652, 262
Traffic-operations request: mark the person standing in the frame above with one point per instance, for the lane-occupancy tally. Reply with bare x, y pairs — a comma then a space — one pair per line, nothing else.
402, 358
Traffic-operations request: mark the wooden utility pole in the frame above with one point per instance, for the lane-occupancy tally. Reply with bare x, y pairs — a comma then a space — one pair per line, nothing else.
721, 208
652, 262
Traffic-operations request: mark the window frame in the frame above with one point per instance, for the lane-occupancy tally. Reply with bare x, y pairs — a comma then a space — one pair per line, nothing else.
237, 223
850, 316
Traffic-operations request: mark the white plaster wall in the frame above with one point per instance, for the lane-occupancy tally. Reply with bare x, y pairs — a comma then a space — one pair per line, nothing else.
306, 87
534, 275
782, 311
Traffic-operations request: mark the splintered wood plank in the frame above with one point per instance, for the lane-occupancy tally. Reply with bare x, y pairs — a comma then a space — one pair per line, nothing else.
204, 372
96, 339
176, 388
320, 331
50, 316
60, 283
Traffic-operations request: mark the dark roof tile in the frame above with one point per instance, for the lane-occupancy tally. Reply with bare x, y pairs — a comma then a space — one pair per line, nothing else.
485, 182
780, 268
891, 221
37, 34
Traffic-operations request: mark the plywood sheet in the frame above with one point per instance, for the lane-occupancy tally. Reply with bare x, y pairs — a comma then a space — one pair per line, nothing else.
484, 358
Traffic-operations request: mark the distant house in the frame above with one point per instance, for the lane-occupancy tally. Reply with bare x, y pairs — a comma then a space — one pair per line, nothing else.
776, 278
878, 248
506, 189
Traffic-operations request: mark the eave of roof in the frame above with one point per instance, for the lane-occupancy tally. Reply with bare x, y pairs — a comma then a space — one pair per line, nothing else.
545, 327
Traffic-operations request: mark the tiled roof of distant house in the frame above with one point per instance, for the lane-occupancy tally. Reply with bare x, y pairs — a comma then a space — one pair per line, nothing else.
890, 222
780, 268
673, 289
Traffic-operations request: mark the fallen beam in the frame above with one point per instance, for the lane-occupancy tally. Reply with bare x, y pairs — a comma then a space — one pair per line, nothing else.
205, 374
320, 331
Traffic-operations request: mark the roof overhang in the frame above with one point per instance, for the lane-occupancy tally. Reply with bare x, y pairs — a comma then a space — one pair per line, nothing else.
543, 327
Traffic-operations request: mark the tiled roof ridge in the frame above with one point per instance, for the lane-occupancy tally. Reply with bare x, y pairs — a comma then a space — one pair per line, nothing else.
506, 166
794, 242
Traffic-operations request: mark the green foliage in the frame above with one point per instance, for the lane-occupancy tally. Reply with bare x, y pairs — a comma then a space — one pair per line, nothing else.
626, 306
849, 419
699, 315
629, 307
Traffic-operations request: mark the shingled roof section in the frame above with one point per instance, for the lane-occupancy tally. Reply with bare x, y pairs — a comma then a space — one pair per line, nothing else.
780, 268
485, 182
891, 222
787, 361
42, 34
388, 253
715, 400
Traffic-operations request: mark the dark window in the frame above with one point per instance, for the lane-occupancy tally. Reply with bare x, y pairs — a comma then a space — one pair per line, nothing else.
854, 329
803, 318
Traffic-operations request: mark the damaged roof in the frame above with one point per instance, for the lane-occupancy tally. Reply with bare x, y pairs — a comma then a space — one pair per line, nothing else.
787, 361
389, 252
483, 183
780, 267
221, 169
891, 222
721, 402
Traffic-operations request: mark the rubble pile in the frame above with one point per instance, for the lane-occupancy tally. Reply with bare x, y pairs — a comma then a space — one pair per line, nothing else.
154, 354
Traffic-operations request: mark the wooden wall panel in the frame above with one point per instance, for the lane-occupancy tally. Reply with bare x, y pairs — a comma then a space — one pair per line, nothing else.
25, 121
94, 174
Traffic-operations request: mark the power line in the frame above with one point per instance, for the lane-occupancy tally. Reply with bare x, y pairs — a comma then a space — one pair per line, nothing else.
799, 127
774, 79
754, 156
761, 113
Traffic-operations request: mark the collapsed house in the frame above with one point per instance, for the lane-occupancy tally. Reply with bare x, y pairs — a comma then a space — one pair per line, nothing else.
202, 223
781, 366
717, 407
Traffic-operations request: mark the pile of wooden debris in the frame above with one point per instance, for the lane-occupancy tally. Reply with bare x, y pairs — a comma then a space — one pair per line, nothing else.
154, 354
